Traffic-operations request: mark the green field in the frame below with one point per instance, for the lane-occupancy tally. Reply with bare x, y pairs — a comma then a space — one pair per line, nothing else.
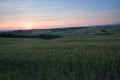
68, 58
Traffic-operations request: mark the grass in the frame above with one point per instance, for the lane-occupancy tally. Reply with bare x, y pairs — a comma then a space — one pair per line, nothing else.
69, 58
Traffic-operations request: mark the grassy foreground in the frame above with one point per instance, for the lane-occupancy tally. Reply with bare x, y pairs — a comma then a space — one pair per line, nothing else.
70, 58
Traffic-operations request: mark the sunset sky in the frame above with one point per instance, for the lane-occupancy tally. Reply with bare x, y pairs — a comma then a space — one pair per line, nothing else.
39, 14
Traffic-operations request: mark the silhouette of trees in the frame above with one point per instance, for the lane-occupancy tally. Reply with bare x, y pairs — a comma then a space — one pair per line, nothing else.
44, 36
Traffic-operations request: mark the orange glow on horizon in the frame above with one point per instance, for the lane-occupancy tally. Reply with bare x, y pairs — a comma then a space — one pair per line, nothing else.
39, 24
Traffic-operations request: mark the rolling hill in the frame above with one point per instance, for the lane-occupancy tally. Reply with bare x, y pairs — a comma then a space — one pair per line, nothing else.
70, 31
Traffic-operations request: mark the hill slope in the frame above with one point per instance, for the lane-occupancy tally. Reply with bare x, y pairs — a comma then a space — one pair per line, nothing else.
71, 31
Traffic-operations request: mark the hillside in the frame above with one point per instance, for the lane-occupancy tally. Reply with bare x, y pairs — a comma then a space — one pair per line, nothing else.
71, 31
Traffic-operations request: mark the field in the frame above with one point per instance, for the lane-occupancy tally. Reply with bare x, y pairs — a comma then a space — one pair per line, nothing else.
68, 58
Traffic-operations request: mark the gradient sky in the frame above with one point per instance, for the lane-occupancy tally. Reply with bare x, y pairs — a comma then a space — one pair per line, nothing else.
39, 14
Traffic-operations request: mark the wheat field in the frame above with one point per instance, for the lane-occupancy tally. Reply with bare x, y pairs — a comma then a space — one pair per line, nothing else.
68, 58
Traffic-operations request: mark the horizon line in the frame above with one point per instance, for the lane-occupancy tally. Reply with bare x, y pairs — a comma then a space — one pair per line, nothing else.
62, 27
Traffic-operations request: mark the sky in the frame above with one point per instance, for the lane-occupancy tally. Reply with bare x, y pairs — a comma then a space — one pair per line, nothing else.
43, 14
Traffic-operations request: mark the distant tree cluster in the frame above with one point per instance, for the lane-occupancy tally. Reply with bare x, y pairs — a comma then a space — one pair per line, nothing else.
44, 36
6, 34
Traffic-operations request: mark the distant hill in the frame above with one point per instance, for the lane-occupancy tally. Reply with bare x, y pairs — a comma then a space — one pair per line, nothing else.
114, 29
70, 31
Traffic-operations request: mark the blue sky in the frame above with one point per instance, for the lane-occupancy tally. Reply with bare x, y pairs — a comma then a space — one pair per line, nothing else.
57, 13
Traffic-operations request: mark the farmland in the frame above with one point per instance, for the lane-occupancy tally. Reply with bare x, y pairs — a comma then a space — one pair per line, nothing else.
94, 57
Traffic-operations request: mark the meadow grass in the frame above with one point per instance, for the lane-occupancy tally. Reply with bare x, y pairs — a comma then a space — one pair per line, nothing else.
68, 58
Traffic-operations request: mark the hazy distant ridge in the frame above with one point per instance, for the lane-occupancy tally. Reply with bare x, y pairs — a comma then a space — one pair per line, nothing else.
71, 31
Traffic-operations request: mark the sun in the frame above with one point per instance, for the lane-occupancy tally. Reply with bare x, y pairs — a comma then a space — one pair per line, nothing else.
28, 26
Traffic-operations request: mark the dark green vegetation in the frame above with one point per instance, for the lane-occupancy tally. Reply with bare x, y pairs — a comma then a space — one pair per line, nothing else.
66, 58
44, 36
60, 32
